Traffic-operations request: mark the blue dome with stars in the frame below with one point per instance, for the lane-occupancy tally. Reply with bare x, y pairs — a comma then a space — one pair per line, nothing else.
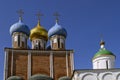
57, 30
20, 27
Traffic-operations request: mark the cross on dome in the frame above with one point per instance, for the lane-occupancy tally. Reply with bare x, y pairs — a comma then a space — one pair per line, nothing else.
38, 15
56, 14
20, 12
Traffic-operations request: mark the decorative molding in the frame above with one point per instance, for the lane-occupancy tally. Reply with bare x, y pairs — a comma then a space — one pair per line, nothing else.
12, 63
39, 51
51, 65
67, 64
29, 65
6, 65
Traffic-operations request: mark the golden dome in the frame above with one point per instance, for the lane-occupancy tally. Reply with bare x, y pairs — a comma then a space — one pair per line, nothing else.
38, 32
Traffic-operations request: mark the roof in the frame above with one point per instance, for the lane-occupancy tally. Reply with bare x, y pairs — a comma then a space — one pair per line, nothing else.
40, 77
103, 52
57, 30
20, 27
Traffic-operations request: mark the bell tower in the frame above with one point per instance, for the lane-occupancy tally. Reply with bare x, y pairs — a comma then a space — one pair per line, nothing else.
39, 36
38, 63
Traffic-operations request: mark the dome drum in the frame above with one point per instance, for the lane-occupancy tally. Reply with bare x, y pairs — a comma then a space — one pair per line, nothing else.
21, 34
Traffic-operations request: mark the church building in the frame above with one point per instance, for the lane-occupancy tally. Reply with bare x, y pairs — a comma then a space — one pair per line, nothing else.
54, 62
103, 67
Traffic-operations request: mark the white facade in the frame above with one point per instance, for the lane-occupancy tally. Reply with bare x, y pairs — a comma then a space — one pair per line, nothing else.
104, 62
97, 74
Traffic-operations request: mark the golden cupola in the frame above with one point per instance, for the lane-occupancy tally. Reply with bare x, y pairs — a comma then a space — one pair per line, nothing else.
38, 32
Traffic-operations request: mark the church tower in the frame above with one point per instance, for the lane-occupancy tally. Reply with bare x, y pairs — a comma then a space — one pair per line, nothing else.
38, 63
103, 59
39, 36
20, 33
57, 35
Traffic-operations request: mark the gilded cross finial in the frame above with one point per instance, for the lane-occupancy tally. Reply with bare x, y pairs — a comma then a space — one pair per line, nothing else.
39, 15
20, 12
56, 14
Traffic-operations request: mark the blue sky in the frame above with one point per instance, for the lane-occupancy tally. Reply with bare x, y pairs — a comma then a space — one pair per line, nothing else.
84, 20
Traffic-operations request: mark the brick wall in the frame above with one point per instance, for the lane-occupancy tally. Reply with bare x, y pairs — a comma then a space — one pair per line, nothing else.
40, 64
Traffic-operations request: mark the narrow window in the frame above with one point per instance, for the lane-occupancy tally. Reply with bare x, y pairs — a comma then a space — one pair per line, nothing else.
26, 43
98, 65
44, 45
18, 40
107, 64
39, 45
58, 43
62, 43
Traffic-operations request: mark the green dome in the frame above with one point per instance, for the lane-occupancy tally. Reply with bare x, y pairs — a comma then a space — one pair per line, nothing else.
15, 78
40, 77
64, 78
102, 52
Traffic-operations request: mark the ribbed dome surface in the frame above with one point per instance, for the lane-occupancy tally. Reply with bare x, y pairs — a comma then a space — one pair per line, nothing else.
20, 27
57, 30
38, 32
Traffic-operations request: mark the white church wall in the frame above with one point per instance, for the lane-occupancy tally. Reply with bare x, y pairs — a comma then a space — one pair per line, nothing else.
104, 62
97, 74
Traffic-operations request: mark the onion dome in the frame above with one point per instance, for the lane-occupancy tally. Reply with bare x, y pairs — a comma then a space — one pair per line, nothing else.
57, 30
103, 51
38, 32
15, 78
40, 77
20, 27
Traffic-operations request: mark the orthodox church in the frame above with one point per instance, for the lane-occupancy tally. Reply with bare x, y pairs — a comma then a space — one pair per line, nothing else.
54, 62
103, 67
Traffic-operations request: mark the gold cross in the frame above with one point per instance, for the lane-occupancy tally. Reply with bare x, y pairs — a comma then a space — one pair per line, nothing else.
38, 15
